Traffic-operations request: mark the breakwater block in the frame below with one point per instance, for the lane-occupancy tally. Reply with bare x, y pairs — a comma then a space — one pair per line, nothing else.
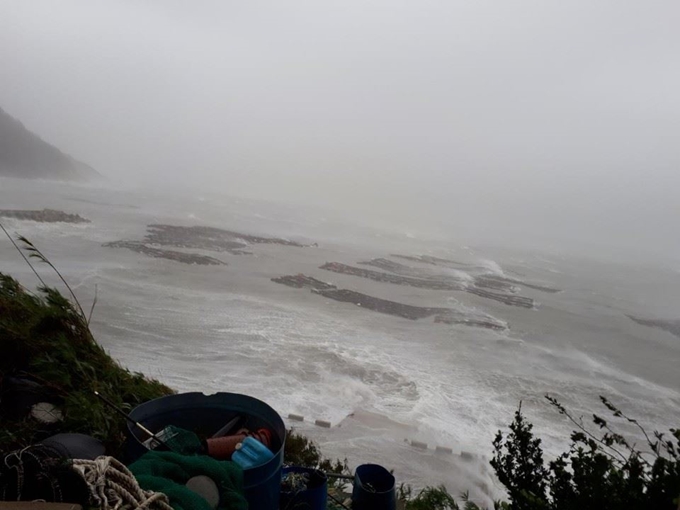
296, 417
419, 444
443, 449
323, 423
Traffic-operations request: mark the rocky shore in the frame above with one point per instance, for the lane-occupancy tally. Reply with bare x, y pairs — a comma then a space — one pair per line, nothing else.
671, 326
484, 279
432, 283
378, 276
441, 315
43, 216
177, 256
508, 299
197, 238
300, 281
209, 238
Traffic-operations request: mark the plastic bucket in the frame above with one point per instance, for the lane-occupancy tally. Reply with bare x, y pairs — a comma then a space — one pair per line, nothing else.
313, 498
373, 488
205, 415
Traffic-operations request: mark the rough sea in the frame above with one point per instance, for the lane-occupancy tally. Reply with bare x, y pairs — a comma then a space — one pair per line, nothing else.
381, 381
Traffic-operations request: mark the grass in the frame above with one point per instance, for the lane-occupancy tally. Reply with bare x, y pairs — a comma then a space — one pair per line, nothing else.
45, 339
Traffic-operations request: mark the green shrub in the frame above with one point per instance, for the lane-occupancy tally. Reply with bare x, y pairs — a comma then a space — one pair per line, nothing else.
601, 471
302, 451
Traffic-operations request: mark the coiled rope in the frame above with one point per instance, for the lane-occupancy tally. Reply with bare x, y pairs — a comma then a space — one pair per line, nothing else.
113, 487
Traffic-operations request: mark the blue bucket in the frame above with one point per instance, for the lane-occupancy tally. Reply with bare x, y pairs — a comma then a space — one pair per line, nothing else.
373, 488
312, 498
205, 415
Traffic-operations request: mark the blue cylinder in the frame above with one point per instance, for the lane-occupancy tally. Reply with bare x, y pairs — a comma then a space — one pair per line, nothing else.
313, 498
373, 488
205, 415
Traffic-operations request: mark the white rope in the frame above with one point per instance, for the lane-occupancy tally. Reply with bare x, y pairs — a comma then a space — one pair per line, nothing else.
113, 487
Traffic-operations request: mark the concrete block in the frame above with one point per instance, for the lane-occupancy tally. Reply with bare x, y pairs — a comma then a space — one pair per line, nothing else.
467, 455
323, 423
296, 417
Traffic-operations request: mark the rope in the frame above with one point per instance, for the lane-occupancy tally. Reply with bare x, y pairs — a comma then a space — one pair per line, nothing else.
113, 487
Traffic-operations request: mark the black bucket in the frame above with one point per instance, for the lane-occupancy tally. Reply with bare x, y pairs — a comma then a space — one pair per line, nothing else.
373, 488
206, 414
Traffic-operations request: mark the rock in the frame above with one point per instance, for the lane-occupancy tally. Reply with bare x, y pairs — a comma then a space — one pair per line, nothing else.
521, 301
378, 276
486, 279
208, 238
442, 315
429, 283
671, 326
299, 281
380, 305
44, 216
177, 256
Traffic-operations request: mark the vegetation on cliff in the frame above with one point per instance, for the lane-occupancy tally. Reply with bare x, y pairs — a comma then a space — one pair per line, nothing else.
47, 354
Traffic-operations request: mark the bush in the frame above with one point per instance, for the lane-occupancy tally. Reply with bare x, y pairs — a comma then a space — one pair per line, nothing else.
600, 471
302, 451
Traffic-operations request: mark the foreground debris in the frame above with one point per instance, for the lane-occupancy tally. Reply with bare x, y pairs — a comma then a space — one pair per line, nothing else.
43, 216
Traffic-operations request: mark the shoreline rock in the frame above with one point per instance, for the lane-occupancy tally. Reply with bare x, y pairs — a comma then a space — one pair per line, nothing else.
487, 279
670, 326
300, 281
338, 267
411, 312
177, 256
43, 216
432, 284
209, 238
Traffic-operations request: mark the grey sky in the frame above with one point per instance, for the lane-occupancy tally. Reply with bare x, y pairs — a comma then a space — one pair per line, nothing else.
557, 120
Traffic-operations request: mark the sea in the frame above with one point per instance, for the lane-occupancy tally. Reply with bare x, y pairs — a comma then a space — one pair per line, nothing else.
424, 399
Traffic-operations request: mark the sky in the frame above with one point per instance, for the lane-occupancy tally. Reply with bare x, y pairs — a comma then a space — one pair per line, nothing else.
538, 122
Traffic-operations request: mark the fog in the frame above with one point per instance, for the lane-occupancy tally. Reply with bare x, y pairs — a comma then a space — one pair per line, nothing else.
527, 123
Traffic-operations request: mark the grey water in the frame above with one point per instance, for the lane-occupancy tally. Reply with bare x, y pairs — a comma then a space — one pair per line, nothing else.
380, 380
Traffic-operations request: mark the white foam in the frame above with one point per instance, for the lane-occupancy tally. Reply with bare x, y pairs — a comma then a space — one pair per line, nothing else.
492, 266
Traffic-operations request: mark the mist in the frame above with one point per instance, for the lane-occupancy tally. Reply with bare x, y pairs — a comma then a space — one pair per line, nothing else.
551, 125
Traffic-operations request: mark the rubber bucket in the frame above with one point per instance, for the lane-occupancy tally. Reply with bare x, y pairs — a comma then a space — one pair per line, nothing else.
205, 415
373, 488
313, 498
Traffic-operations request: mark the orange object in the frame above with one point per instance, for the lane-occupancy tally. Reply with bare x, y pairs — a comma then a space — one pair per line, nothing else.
222, 448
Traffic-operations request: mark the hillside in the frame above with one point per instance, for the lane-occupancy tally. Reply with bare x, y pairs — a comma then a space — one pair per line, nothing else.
25, 155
